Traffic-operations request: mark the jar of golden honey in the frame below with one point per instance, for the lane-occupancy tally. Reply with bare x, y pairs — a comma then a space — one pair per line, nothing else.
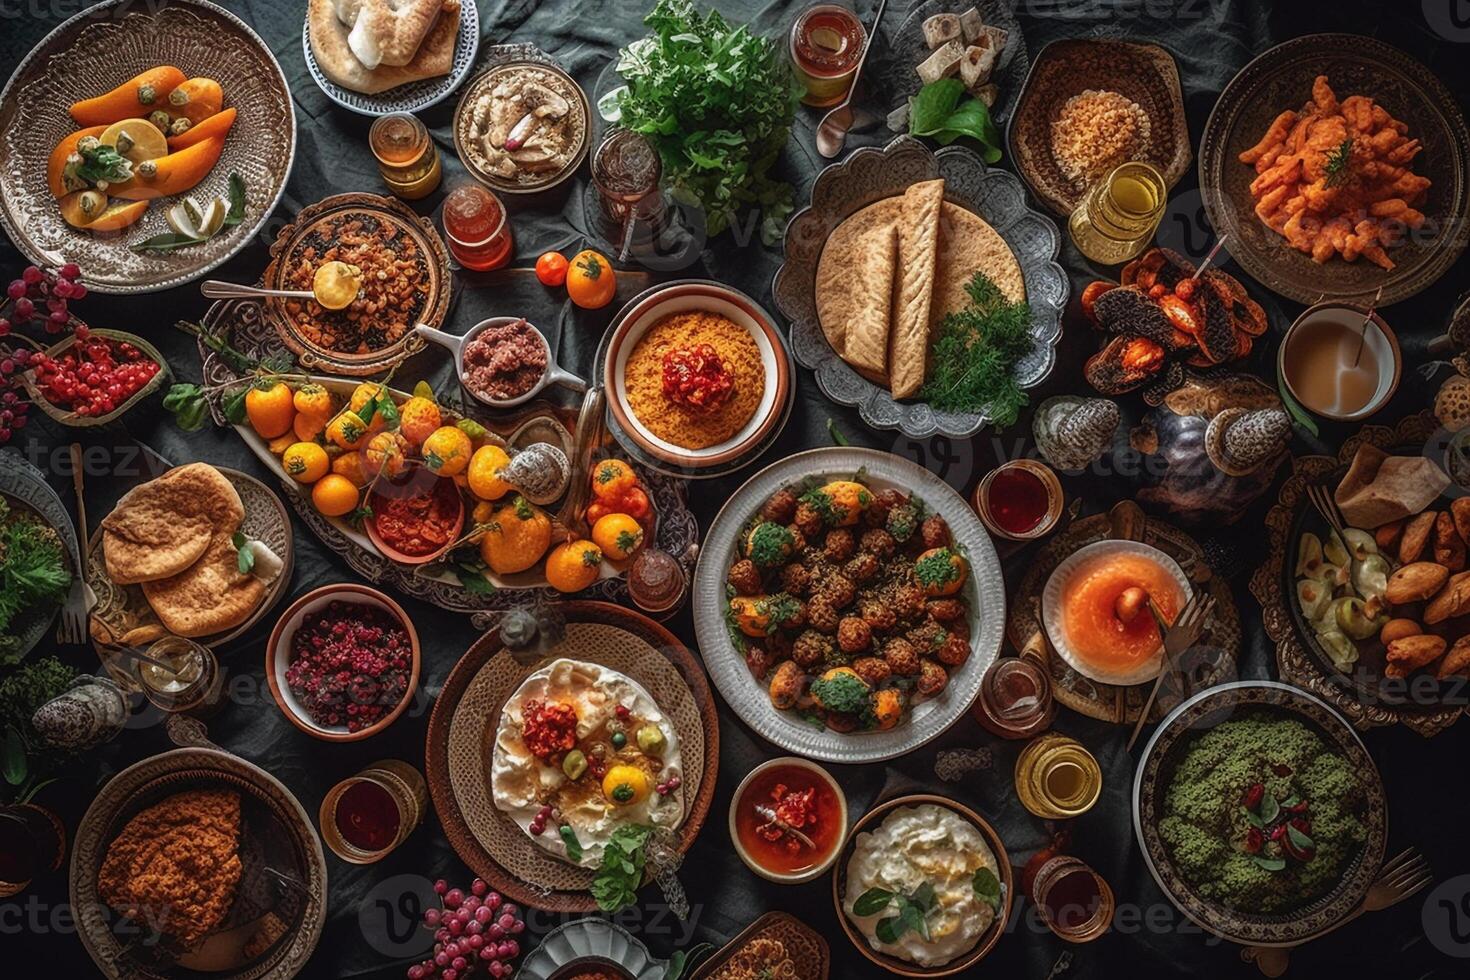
1056, 778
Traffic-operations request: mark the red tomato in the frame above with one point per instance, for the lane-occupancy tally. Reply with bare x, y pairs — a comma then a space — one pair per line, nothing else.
633, 502
551, 269
597, 510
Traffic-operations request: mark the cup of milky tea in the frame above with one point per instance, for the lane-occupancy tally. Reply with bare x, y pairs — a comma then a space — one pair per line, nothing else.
1335, 366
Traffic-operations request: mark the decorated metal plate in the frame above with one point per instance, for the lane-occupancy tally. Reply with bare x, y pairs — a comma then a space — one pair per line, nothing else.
590, 945
98, 49
748, 697
1281, 79
1173, 738
869, 175
413, 96
806, 949
23, 484
1211, 660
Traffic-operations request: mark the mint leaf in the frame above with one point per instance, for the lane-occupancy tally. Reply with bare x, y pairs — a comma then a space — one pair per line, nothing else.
244, 554
891, 929
938, 111
1300, 840
872, 901
987, 887
236, 214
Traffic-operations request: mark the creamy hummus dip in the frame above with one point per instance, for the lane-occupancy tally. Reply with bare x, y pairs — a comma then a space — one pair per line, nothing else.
918, 845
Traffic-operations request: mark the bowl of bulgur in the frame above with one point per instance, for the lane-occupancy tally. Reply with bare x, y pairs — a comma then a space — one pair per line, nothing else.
697, 374
405, 282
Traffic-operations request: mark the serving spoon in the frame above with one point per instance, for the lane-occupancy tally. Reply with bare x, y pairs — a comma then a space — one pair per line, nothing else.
832, 130
321, 288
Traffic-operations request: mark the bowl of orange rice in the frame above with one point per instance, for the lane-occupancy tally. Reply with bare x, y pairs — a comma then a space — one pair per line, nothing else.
697, 376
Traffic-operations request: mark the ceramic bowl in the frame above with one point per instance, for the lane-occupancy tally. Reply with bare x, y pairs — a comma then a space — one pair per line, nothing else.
647, 309
816, 871
1378, 338
456, 345
870, 821
393, 554
278, 657
1053, 619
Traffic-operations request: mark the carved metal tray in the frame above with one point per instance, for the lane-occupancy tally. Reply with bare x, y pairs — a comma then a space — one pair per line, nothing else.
24, 483
1280, 79
102, 47
871, 174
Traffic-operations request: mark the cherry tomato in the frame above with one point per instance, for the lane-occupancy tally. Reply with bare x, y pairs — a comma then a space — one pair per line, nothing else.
591, 281
551, 269
597, 510
633, 502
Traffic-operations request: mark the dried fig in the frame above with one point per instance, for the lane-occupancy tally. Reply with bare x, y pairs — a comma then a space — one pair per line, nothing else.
1416, 536
1409, 653
1457, 661
1397, 629
1415, 582
1449, 547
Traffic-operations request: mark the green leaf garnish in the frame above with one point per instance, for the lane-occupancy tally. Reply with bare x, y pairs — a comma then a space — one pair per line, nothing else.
236, 214
186, 403
976, 352
1269, 863
987, 887
569, 838
872, 901
938, 112
244, 554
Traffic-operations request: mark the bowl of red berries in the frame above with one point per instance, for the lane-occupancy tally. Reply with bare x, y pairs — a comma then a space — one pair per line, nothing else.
343, 662
94, 375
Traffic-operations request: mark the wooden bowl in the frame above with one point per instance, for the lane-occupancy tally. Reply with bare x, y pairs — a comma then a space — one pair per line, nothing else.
987, 940
393, 554
278, 658
66, 417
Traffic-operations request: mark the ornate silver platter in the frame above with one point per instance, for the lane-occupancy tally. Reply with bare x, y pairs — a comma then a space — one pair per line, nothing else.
985, 591
99, 48
248, 331
415, 95
590, 943
871, 174
1204, 711
22, 482
281, 838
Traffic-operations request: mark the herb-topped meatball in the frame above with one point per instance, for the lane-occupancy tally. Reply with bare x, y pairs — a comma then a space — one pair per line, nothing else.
745, 577
781, 508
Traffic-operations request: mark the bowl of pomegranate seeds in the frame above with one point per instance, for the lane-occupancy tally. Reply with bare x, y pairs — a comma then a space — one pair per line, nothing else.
94, 375
343, 662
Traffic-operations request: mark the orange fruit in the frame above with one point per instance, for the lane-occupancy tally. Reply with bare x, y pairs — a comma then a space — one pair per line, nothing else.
334, 495
281, 443
306, 462
573, 566
618, 535
269, 409
385, 454
517, 536
417, 419
447, 451
364, 393
346, 429
484, 473
308, 428
591, 281
349, 464
313, 400
940, 571
611, 478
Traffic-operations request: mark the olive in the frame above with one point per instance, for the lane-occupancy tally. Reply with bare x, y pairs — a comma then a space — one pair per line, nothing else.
575, 764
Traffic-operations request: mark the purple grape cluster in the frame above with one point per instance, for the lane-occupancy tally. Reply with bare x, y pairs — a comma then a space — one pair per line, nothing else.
40, 296
474, 930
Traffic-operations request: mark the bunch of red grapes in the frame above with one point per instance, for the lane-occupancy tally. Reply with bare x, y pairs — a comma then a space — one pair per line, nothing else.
38, 295
471, 930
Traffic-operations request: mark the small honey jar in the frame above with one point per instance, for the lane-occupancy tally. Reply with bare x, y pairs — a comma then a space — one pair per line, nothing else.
1056, 778
407, 159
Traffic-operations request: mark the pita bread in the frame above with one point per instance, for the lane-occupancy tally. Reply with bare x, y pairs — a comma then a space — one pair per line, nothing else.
843, 294
333, 51
164, 526
968, 244
918, 248
386, 32
208, 597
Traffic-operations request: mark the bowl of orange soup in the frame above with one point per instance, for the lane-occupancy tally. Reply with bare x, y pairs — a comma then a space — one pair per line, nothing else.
1095, 612
788, 820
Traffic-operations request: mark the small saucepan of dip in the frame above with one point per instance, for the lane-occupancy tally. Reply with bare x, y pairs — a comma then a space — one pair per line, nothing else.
503, 361
1322, 368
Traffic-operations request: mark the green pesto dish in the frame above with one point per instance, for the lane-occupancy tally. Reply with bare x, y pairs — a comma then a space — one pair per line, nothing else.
1262, 816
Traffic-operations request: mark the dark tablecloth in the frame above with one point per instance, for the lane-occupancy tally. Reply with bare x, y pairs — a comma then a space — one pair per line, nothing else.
1211, 39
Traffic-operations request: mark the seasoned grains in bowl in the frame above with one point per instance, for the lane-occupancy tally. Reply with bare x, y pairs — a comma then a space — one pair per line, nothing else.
673, 419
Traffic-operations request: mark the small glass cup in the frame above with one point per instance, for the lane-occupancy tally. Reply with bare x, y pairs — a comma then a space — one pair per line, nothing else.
196, 683
656, 581
477, 228
1015, 699
1059, 890
407, 159
32, 841
364, 817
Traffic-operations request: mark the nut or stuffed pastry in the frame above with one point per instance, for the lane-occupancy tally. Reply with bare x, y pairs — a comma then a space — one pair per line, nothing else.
1388, 535
1397, 629
1453, 600
1457, 661
1416, 537
1415, 582
1449, 547
1460, 511
1409, 653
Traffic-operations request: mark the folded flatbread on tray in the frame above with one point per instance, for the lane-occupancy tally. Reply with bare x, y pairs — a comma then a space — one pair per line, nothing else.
333, 51
864, 278
210, 596
386, 32
162, 527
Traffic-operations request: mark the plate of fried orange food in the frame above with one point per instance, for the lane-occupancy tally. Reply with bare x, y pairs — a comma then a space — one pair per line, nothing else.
1336, 165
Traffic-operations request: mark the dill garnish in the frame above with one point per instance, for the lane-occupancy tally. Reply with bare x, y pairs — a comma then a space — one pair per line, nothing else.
976, 352
1337, 164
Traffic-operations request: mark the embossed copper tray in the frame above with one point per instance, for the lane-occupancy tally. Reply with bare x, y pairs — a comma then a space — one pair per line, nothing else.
401, 219
1202, 712
100, 48
462, 732
1212, 660
1298, 658
1281, 79
1145, 73
808, 951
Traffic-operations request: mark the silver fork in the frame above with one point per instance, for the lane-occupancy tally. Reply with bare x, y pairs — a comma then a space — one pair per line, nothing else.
80, 599
1400, 878
1321, 499
1178, 637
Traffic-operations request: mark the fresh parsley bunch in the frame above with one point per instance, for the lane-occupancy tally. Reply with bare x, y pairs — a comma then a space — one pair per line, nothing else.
976, 352
717, 102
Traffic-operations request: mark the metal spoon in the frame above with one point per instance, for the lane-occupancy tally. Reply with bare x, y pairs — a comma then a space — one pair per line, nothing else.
218, 289
832, 130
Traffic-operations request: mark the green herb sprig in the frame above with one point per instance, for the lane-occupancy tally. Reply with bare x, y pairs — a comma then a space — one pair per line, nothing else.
621, 875
976, 352
1339, 163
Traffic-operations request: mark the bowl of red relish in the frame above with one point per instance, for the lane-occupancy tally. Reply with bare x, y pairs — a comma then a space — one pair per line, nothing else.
788, 820
416, 516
